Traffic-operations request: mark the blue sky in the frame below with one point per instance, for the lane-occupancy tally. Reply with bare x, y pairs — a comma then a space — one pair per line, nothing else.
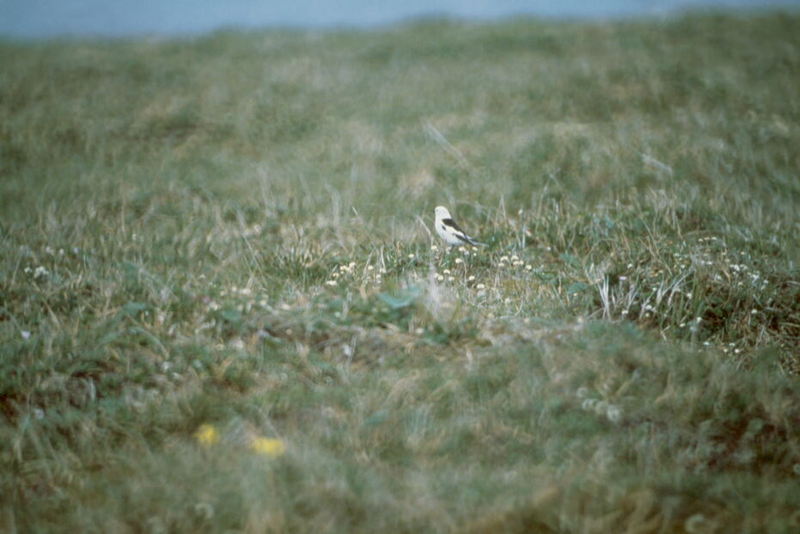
48, 18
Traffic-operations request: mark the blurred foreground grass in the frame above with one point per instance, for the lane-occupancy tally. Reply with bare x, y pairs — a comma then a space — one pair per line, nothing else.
221, 307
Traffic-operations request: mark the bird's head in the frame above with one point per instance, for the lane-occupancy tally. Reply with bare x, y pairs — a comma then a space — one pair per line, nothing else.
441, 212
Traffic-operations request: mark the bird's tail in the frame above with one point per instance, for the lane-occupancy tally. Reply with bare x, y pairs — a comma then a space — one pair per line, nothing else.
475, 243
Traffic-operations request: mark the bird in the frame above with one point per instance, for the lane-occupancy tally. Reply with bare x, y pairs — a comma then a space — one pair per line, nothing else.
449, 231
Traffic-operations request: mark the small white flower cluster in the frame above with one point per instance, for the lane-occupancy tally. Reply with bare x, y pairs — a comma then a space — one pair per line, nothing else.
49, 250
236, 343
39, 273
244, 291
610, 411
349, 271
244, 297
648, 310
731, 347
252, 231
693, 325
343, 270
665, 288
513, 261
446, 274
449, 276
602, 408
737, 271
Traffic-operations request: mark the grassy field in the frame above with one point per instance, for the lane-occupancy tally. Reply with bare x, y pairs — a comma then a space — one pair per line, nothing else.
222, 308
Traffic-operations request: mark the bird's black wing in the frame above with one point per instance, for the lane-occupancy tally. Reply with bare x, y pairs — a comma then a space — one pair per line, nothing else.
452, 224
462, 235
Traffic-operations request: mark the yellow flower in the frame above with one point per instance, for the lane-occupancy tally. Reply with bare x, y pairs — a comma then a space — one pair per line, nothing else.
268, 447
206, 435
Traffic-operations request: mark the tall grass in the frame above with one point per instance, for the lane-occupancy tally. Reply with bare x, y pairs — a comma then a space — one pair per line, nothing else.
222, 307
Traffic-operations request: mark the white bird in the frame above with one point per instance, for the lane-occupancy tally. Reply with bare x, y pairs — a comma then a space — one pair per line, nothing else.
449, 231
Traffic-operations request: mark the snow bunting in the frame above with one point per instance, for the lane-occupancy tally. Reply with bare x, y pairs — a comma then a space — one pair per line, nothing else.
449, 231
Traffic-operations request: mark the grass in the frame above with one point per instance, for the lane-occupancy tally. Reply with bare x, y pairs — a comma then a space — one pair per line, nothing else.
222, 309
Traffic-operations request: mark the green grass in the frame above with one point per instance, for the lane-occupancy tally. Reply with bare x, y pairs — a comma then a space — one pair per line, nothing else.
234, 231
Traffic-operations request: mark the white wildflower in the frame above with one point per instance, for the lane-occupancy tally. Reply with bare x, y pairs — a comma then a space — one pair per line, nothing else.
613, 413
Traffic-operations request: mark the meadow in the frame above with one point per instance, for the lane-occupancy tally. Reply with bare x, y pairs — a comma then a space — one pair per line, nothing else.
222, 307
